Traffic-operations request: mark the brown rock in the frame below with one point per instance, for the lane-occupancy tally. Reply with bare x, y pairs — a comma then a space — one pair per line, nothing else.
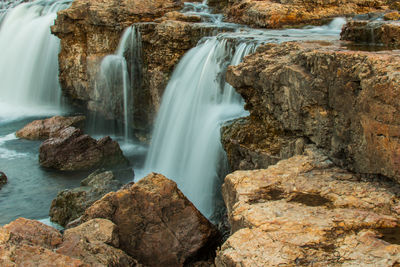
373, 32
70, 204
395, 15
343, 101
277, 14
3, 179
44, 129
72, 150
157, 225
95, 242
305, 211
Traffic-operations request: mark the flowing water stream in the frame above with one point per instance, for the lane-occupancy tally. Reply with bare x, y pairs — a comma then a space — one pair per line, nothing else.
186, 140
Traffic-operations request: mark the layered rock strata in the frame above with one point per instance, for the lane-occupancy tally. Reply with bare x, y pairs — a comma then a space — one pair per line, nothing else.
72, 150
70, 204
306, 211
157, 224
343, 101
277, 14
47, 128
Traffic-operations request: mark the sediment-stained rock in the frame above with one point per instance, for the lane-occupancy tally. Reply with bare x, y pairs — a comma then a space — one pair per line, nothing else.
373, 32
157, 224
343, 101
47, 128
307, 211
72, 150
70, 204
277, 14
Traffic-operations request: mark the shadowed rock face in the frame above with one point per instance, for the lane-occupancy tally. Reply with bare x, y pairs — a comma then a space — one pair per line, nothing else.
72, 150
306, 211
157, 225
343, 101
277, 14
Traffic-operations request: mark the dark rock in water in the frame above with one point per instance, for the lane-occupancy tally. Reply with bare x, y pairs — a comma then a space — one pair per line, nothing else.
72, 150
47, 128
3, 179
70, 204
157, 224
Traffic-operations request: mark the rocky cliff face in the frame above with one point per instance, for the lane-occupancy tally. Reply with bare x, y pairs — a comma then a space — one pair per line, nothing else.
343, 101
90, 30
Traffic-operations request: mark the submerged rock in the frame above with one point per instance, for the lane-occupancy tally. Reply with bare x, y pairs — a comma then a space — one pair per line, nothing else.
47, 128
343, 101
306, 211
157, 224
72, 150
373, 32
3, 179
70, 204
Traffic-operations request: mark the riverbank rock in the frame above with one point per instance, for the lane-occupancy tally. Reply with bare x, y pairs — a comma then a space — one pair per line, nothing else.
278, 14
3, 179
341, 100
70, 204
385, 33
306, 211
47, 128
157, 224
72, 150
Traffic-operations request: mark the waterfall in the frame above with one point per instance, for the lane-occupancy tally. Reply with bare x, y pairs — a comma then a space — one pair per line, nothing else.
29, 59
186, 140
115, 69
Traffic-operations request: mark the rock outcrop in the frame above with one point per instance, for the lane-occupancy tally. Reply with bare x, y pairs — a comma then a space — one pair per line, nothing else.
70, 204
3, 179
72, 150
47, 128
343, 101
157, 224
306, 211
385, 33
277, 14
26, 242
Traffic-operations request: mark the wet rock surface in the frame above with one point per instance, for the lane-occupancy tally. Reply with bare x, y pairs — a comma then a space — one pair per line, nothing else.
3, 179
277, 14
385, 33
306, 211
343, 101
72, 150
157, 225
70, 204
47, 128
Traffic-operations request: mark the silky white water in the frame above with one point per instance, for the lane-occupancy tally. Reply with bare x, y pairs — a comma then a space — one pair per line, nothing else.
114, 71
29, 60
185, 145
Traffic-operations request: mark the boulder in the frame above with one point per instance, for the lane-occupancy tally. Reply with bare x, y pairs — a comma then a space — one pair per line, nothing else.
3, 179
72, 150
306, 211
343, 101
385, 33
96, 243
278, 14
70, 204
157, 224
47, 128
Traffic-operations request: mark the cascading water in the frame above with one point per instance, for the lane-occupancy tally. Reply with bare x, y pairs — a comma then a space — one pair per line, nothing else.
29, 60
114, 71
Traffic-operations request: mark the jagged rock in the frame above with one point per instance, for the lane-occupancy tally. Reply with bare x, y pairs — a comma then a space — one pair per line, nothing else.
95, 242
3, 179
72, 150
277, 14
47, 128
70, 204
157, 224
306, 211
373, 32
343, 101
